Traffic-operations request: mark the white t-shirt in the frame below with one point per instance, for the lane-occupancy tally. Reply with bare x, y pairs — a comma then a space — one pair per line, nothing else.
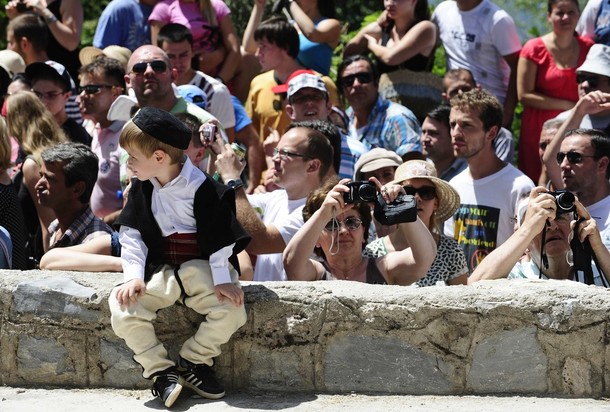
287, 216
477, 40
219, 98
488, 206
587, 122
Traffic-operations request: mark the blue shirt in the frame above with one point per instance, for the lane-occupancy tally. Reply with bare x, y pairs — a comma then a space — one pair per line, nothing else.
124, 23
391, 126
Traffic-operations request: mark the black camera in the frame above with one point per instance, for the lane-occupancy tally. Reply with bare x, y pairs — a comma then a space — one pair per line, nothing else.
278, 6
402, 210
360, 192
22, 8
564, 201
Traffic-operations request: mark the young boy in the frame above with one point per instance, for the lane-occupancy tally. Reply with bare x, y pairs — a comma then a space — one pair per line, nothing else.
178, 234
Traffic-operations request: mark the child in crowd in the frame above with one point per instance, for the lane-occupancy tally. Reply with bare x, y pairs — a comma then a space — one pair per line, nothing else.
178, 235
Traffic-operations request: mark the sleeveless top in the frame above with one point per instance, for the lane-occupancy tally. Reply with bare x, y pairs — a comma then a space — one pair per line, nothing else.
417, 63
58, 52
315, 56
373, 275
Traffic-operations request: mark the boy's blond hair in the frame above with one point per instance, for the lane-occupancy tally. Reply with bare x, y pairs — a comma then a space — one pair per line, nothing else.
133, 137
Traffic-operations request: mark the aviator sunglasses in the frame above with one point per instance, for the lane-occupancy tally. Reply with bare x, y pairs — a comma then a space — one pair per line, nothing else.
425, 192
573, 157
352, 223
158, 66
93, 88
592, 80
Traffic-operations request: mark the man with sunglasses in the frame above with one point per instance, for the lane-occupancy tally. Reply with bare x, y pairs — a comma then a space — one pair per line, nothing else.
374, 120
583, 164
301, 159
101, 83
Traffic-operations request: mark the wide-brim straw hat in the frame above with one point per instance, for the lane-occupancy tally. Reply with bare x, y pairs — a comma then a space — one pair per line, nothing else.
89, 54
448, 197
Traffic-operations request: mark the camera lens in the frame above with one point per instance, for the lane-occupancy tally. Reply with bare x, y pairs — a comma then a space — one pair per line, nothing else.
565, 200
367, 192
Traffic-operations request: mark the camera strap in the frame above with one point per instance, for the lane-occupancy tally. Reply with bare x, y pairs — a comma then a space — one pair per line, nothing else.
543, 257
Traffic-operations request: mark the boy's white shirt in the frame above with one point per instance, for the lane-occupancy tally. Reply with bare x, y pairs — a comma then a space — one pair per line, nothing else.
172, 208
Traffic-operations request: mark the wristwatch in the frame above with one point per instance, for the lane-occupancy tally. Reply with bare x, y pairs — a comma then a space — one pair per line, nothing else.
235, 183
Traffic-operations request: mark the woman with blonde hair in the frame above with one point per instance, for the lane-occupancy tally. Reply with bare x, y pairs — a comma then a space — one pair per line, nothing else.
215, 42
34, 127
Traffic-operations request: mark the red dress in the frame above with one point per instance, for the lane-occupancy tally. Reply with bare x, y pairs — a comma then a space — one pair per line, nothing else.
551, 81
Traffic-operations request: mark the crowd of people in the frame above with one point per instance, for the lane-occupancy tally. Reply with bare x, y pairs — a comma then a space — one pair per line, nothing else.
188, 159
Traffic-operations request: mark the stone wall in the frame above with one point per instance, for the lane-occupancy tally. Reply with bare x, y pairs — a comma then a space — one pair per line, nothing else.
518, 337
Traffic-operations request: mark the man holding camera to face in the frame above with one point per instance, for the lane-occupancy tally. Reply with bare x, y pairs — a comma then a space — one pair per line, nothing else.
545, 230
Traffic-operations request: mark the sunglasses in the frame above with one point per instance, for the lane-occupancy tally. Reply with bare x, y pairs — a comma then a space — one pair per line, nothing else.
93, 88
573, 157
592, 80
283, 153
352, 223
363, 78
424, 192
158, 66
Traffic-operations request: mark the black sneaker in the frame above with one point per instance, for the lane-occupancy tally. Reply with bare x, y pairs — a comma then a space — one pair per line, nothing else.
201, 379
167, 387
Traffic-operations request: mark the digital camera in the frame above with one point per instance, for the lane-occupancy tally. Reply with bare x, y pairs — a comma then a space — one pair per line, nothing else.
564, 201
360, 192
22, 8
208, 133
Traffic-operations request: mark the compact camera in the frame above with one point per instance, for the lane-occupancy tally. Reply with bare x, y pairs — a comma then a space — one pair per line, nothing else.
22, 8
208, 133
564, 201
402, 210
360, 192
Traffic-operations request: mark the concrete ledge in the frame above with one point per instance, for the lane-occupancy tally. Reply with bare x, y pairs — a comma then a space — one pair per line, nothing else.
518, 337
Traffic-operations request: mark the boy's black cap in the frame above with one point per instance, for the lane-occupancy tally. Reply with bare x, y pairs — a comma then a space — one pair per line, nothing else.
163, 126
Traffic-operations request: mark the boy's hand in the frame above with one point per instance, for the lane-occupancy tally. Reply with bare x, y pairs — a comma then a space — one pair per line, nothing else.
127, 294
231, 292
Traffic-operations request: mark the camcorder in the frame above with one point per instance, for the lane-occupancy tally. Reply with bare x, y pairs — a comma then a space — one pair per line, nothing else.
402, 210
564, 201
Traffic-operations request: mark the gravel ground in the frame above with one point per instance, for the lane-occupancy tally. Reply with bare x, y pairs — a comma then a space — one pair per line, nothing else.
108, 400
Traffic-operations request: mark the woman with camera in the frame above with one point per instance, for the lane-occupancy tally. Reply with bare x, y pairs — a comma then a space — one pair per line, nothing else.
436, 201
546, 230
336, 231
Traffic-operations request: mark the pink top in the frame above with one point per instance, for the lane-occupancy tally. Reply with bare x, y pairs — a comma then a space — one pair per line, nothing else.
205, 37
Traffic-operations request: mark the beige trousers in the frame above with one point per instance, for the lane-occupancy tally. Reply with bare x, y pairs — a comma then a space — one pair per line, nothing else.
134, 323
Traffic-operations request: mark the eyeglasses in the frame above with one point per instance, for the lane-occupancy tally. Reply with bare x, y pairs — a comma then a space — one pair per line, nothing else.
302, 97
94, 88
425, 192
285, 153
47, 95
158, 66
363, 78
352, 223
573, 157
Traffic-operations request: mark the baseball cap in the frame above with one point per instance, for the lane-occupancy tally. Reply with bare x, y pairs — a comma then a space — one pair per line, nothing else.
597, 61
283, 88
193, 94
305, 80
50, 69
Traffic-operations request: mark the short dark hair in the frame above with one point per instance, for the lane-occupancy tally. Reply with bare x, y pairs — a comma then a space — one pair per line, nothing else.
110, 68
33, 28
279, 31
174, 33
440, 114
193, 123
600, 142
351, 59
327, 129
80, 164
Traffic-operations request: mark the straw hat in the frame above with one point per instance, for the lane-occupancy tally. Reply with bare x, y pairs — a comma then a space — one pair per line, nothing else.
448, 198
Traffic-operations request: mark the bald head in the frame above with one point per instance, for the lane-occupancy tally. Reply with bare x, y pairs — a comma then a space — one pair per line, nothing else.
147, 53
152, 78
